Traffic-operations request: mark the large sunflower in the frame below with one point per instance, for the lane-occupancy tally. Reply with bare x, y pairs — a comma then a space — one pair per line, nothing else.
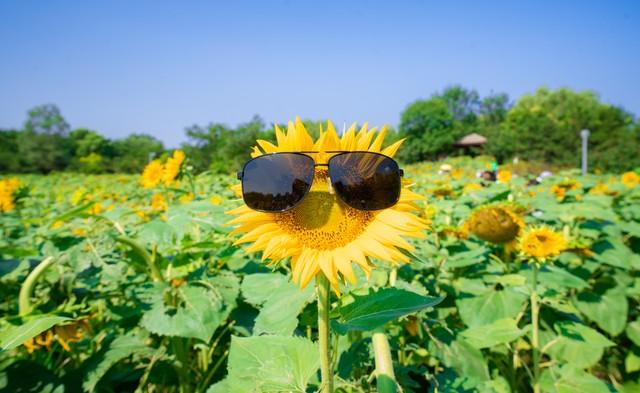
322, 235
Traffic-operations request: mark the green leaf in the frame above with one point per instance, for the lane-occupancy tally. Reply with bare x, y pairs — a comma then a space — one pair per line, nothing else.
608, 310
466, 258
195, 311
571, 380
492, 306
500, 332
558, 278
632, 361
120, 348
269, 364
156, 232
467, 360
280, 302
578, 344
615, 253
377, 308
16, 335
633, 331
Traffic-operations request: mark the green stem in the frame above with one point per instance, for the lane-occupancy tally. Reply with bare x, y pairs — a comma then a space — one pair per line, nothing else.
385, 378
156, 275
26, 290
324, 334
535, 340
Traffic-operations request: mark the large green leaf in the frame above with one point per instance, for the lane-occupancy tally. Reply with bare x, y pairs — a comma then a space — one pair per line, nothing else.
490, 307
269, 364
280, 302
16, 335
609, 310
377, 308
569, 379
633, 331
191, 310
500, 332
120, 348
615, 253
467, 360
558, 278
578, 345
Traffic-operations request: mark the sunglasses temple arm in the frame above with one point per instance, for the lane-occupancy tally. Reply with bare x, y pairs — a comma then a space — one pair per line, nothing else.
240, 173
399, 170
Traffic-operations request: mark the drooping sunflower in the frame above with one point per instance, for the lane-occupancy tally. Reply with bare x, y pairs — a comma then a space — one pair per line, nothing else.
541, 243
495, 223
322, 235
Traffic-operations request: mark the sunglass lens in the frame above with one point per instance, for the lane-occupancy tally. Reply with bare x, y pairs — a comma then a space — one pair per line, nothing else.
276, 182
365, 181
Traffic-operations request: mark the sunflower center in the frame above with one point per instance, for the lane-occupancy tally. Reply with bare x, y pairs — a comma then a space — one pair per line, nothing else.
322, 221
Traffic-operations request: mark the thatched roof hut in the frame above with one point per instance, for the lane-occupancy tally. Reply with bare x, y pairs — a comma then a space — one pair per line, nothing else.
471, 140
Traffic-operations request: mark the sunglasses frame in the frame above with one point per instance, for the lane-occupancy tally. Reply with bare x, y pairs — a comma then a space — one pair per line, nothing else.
240, 174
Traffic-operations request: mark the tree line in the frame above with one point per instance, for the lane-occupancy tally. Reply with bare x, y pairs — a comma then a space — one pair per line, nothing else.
542, 127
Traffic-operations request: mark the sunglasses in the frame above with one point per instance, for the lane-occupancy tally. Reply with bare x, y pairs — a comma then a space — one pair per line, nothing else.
363, 180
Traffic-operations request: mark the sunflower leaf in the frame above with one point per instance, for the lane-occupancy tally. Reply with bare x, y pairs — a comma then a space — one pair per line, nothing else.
280, 302
377, 308
269, 364
16, 335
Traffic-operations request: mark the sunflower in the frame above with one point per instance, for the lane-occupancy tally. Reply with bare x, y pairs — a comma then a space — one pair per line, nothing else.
542, 242
152, 174
504, 176
322, 235
172, 167
630, 179
495, 223
158, 202
8, 188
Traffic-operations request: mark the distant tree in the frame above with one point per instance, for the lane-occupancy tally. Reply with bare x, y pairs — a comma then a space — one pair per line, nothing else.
428, 126
91, 151
9, 162
463, 103
42, 144
545, 127
132, 153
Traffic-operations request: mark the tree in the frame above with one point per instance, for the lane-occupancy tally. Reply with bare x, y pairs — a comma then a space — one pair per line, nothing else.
545, 127
132, 153
428, 126
8, 149
463, 103
42, 144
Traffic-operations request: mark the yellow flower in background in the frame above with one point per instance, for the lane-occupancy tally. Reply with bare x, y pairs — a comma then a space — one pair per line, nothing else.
560, 189
96, 208
542, 242
8, 187
469, 188
158, 202
152, 174
216, 200
504, 176
630, 179
186, 198
80, 232
322, 235
495, 224
172, 167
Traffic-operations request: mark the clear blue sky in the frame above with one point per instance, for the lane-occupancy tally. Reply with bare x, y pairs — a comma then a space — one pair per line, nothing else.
158, 66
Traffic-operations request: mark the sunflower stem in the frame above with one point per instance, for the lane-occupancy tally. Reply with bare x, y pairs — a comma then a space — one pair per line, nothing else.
26, 290
535, 339
385, 378
324, 339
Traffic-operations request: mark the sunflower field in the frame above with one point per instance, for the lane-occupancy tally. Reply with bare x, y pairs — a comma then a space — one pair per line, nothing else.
142, 283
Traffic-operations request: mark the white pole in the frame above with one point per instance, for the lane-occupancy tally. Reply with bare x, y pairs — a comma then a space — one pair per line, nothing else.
584, 134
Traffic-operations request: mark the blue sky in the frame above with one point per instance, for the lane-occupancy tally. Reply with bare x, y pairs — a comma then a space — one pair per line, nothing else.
159, 66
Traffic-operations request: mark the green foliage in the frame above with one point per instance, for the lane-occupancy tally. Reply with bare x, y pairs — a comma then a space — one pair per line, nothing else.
374, 309
269, 364
13, 336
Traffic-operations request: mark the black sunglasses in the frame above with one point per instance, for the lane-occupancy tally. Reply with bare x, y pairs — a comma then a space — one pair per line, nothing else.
278, 182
